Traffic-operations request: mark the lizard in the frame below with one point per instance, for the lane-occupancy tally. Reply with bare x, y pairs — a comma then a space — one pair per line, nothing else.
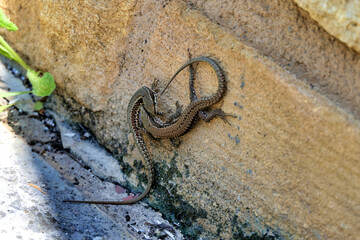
142, 109
182, 124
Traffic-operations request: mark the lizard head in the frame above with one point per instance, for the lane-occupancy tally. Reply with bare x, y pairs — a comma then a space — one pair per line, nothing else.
149, 100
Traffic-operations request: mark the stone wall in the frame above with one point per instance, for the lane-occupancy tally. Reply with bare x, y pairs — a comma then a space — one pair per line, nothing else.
339, 18
287, 166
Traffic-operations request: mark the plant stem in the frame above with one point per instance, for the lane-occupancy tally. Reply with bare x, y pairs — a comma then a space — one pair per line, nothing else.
13, 54
10, 94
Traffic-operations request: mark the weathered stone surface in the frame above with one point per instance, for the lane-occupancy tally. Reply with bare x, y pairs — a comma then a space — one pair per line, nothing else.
287, 166
75, 40
284, 32
339, 18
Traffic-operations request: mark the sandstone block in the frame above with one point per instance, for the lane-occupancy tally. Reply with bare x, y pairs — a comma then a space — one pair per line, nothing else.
339, 18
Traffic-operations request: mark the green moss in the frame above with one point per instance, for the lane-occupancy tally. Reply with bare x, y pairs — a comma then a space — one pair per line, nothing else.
174, 207
187, 171
126, 168
219, 229
238, 231
140, 172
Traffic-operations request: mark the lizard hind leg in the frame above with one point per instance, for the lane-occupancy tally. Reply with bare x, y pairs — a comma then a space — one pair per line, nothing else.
207, 116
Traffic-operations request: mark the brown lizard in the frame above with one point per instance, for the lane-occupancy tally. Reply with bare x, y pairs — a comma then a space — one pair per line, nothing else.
181, 125
142, 109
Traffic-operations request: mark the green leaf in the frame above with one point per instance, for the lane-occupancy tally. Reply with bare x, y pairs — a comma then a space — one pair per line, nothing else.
6, 23
2, 108
38, 106
42, 86
10, 94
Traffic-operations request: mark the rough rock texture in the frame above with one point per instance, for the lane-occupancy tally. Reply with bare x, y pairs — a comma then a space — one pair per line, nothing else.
285, 33
287, 166
339, 18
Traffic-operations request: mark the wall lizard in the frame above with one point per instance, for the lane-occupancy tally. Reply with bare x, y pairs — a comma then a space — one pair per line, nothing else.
181, 125
142, 110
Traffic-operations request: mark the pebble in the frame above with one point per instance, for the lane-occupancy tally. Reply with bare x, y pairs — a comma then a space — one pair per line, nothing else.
16, 72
